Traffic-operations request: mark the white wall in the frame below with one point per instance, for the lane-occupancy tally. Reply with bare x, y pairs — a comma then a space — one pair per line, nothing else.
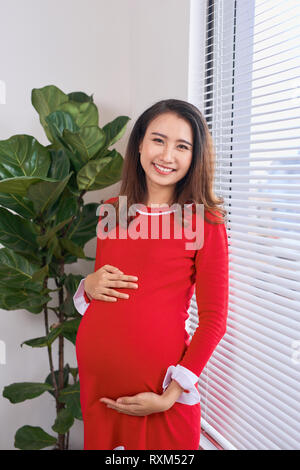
130, 54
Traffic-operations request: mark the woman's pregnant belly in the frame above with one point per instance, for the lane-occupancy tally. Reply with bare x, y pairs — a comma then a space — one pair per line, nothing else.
125, 347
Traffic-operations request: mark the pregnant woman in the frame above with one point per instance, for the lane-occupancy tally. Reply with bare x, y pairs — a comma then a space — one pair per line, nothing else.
138, 369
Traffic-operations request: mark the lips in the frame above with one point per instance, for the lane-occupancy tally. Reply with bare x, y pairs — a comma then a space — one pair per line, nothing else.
163, 166
170, 170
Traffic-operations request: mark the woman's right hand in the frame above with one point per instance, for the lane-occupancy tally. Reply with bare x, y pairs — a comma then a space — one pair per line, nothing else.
99, 285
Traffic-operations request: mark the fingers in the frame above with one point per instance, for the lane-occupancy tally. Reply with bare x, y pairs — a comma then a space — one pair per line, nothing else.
109, 401
107, 293
117, 278
112, 269
129, 408
122, 278
115, 293
129, 285
105, 298
107, 279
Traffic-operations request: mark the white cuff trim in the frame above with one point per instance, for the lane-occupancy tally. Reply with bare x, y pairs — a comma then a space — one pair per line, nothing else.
79, 301
187, 380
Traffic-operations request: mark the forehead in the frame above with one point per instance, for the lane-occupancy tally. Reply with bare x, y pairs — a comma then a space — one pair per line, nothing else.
171, 125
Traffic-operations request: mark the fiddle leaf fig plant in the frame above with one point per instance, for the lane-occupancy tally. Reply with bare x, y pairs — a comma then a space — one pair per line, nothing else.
44, 226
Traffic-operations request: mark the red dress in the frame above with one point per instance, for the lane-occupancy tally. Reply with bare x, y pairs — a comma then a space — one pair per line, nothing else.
126, 347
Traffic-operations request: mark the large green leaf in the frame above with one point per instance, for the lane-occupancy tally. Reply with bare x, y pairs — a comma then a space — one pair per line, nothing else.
111, 174
19, 204
98, 174
23, 162
40, 275
20, 185
62, 158
33, 438
17, 272
76, 161
60, 164
44, 239
15, 299
69, 329
57, 122
21, 283
72, 282
18, 392
115, 129
84, 114
49, 380
44, 340
46, 100
87, 141
71, 396
72, 248
22, 155
53, 250
17, 233
64, 421
66, 207
80, 97
45, 193
83, 228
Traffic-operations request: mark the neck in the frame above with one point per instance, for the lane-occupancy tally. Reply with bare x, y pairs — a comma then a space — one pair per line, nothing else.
158, 201
159, 195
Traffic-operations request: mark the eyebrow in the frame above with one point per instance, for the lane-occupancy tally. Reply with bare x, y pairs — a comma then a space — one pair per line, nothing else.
178, 140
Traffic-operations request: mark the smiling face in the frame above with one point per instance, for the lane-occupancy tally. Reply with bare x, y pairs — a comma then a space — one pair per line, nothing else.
166, 155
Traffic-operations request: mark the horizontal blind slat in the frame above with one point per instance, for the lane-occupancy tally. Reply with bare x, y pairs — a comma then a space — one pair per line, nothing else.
245, 399
268, 251
264, 230
290, 249
273, 319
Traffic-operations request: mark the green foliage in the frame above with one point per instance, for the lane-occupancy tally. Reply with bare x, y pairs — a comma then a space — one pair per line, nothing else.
22, 391
70, 395
64, 421
33, 438
44, 225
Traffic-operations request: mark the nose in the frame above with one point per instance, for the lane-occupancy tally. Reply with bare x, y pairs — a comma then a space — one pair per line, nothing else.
166, 155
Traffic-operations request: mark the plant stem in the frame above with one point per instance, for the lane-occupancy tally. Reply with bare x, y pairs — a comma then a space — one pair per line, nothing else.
56, 390
55, 310
61, 437
49, 347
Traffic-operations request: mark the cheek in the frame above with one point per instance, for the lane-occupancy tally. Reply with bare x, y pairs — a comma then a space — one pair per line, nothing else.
184, 167
148, 155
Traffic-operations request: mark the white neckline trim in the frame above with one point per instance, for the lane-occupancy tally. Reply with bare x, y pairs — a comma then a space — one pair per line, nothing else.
154, 213
159, 213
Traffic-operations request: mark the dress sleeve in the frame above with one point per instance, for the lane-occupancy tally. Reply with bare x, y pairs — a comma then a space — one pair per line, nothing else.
211, 289
187, 380
80, 299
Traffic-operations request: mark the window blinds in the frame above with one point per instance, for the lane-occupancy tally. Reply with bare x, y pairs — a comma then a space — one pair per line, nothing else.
248, 89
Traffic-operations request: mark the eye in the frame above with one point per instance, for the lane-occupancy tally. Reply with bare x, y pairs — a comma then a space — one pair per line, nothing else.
160, 140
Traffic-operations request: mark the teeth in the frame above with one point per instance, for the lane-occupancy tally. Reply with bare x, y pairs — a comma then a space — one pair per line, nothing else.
163, 169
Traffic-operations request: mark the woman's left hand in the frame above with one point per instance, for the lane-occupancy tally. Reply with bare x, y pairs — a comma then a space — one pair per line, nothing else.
142, 404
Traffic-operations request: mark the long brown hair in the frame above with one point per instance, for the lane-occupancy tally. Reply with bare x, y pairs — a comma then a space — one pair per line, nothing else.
197, 185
